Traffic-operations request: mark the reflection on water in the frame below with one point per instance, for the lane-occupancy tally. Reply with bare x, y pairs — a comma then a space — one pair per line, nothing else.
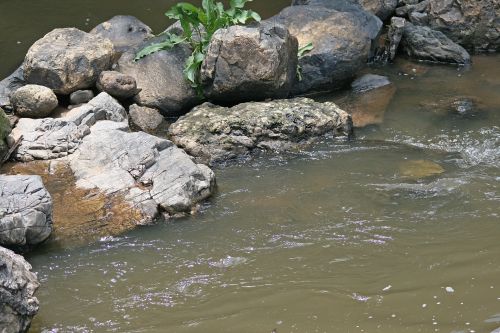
333, 239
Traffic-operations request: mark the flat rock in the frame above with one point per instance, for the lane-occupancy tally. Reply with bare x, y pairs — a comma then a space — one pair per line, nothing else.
25, 211
118, 85
33, 101
18, 285
419, 169
67, 60
213, 134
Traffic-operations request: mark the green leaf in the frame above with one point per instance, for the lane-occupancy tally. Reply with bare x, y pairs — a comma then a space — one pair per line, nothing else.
168, 43
305, 49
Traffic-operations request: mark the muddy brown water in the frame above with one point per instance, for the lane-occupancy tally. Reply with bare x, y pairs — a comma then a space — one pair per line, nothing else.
395, 231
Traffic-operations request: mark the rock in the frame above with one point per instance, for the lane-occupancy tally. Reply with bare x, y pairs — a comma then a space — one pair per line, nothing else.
5, 130
123, 31
369, 82
424, 43
33, 101
419, 18
25, 211
146, 119
67, 60
341, 40
118, 85
419, 169
213, 134
160, 77
152, 173
396, 30
250, 63
18, 285
50, 138
471, 23
382, 8
81, 96
407, 10
466, 106
9, 85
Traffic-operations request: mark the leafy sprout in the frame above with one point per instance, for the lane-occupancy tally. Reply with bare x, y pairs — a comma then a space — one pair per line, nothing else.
300, 54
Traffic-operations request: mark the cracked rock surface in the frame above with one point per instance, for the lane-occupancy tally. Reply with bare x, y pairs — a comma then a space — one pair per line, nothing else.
25, 211
213, 134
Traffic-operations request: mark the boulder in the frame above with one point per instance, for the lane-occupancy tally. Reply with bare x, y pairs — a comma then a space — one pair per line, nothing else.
33, 101
471, 23
67, 60
342, 43
160, 77
250, 63
151, 173
407, 10
10, 84
118, 85
25, 211
18, 284
123, 31
418, 18
146, 119
50, 138
214, 134
395, 33
382, 8
423, 43
81, 96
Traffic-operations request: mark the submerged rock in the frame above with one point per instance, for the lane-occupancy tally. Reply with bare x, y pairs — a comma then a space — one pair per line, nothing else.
426, 44
118, 85
214, 134
250, 63
67, 60
33, 101
10, 84
25, 211
146, 119
18, 284
419, 169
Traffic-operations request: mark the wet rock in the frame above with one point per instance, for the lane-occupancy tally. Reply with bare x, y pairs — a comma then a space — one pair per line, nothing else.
457, 105
152, 173
250, 63
9, 85
118, 85
123, 31
473, 24
382, 8
419, 169
18, 285
424, 43
214, 134
51, 138
33, 101
342, 43
67, 60
81, 96
160, 78
25, 211
146, 119
396, 30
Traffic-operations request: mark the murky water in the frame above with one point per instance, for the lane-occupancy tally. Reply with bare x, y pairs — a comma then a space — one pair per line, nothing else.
338, 238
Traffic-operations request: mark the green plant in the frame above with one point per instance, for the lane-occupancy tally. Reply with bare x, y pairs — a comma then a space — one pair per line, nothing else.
199, 25
301, 53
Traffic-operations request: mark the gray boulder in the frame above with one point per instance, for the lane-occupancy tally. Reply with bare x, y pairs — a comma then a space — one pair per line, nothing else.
18, 284
213, 134
118, 85
342, 44
160, 77
381, 8
250, 63
25, 211
10, 84
67, 60
408, 9
395, 34
50, 138
146, 119
81, 96
33, 101
423, 43
151, 173
123, 31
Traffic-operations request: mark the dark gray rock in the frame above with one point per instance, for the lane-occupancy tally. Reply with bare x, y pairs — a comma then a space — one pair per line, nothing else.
418, 18
342, 43
160, 77
396, 30
382, 8
33, 101
250, 63
18, 284
123, 31
67, 60
81, 96
406, 10
146, 119
10, 84
369, 82
213, 134
424, 43
5, 129
118, 85
25, 211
